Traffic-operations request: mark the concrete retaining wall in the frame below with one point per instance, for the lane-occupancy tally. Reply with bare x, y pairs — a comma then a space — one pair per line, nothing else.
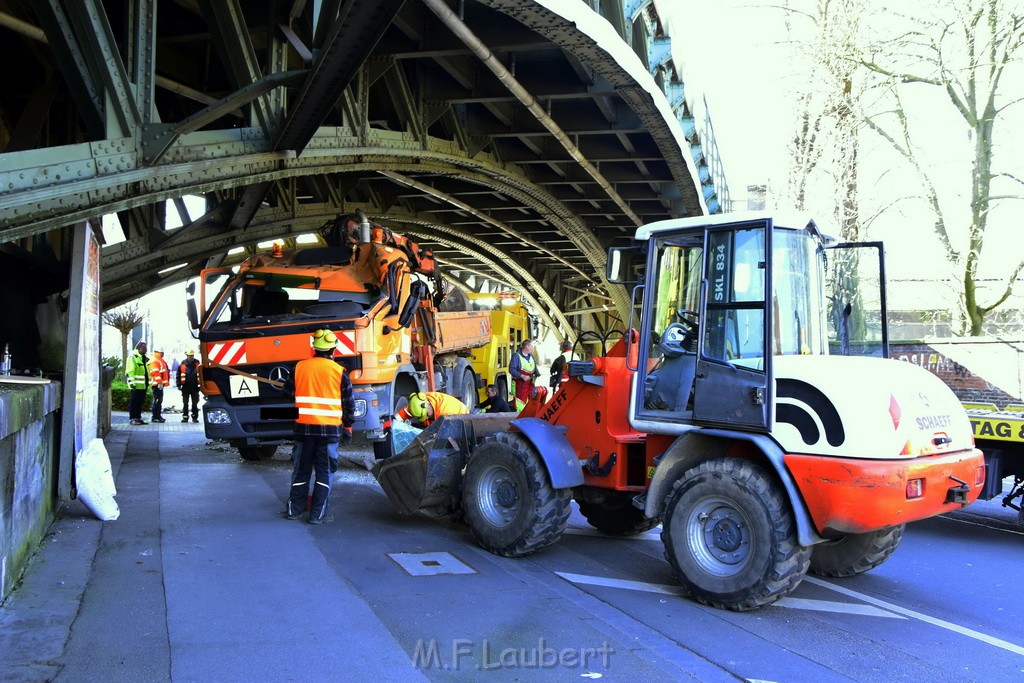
29, 428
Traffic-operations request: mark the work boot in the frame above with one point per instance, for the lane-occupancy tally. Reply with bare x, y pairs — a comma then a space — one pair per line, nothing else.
137, 421
159, 419
185, 419
290, 512
321, 520
195, 419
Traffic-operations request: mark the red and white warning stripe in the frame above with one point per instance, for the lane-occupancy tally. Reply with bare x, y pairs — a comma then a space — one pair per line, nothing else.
346, 342
227, 353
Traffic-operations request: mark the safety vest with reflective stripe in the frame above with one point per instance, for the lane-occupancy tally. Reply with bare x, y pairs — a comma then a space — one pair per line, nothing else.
135, 370
318, 391
159, 373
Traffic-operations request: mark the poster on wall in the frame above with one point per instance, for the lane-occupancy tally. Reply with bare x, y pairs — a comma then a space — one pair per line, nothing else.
80, 421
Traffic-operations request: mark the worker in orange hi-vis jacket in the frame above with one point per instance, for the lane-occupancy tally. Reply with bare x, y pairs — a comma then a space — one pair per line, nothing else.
427, 406
159, 377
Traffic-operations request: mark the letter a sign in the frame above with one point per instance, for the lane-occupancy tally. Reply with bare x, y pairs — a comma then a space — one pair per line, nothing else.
243, 387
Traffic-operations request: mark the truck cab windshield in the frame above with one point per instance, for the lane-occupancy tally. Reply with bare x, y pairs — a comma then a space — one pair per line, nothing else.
254, 301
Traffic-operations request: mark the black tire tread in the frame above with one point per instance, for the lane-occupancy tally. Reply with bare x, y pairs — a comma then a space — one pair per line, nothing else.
257, 453
553, 508
856, 553
795, 559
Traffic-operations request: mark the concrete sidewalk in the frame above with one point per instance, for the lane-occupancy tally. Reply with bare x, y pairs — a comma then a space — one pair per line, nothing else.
194, 581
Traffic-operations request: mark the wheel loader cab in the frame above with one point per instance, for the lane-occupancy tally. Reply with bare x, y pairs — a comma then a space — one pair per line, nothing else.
715, 311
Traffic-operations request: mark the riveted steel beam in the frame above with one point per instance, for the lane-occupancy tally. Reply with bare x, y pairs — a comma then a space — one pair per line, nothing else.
232, 36
71, 58
141, 53
92, 30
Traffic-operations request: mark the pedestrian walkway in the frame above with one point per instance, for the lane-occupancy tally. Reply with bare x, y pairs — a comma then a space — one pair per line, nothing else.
198, 579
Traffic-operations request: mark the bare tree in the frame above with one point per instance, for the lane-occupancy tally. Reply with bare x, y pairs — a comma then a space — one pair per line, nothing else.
124, 320
825, 148
962, 49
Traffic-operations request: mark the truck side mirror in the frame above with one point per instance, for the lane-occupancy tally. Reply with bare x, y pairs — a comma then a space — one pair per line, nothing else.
190, 311
622, 265
417, 291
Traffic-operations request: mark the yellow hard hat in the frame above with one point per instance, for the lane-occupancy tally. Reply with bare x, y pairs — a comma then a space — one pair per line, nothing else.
418, 405
190, 352
324, 340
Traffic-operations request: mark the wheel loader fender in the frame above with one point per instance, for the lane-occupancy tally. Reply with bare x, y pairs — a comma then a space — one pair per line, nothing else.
564, 468
693, 448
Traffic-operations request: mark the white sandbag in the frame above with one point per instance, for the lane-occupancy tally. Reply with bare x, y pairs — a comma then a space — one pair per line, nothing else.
96, 482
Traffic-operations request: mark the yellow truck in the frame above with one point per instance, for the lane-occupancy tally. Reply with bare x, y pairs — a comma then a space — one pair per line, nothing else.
510, 325
1000, 435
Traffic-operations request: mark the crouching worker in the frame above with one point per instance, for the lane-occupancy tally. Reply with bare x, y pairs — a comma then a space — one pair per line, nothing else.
325, 401
494, 403
426, 406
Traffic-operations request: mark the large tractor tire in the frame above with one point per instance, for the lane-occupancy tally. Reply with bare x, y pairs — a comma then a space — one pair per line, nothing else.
855, 554
507, 498
257, 453
730, 536
613, 513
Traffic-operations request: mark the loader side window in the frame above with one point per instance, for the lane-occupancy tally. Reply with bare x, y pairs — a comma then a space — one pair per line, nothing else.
671, 353
734, 331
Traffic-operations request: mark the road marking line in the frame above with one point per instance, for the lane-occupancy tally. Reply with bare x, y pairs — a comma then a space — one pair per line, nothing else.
792, 603
963, 630
833, 606
621, 583
809, 604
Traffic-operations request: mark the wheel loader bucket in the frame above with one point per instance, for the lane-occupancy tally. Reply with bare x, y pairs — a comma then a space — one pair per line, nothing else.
427, 475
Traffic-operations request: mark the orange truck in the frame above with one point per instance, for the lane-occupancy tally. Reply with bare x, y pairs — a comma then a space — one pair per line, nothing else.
378, 291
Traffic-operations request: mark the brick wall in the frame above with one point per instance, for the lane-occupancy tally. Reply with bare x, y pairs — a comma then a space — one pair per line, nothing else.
1000, 386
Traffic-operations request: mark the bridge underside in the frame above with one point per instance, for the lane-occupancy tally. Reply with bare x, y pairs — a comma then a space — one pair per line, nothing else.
516, 141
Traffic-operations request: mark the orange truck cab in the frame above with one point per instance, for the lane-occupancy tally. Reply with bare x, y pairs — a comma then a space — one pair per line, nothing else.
378, 291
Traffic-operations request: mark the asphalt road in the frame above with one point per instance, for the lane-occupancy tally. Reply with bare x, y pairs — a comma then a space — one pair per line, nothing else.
200, 579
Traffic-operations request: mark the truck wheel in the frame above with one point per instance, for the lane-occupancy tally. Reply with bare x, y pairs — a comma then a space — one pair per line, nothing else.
255, 453
467, 389
613, 513
730, 536
508, 500
855, 554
